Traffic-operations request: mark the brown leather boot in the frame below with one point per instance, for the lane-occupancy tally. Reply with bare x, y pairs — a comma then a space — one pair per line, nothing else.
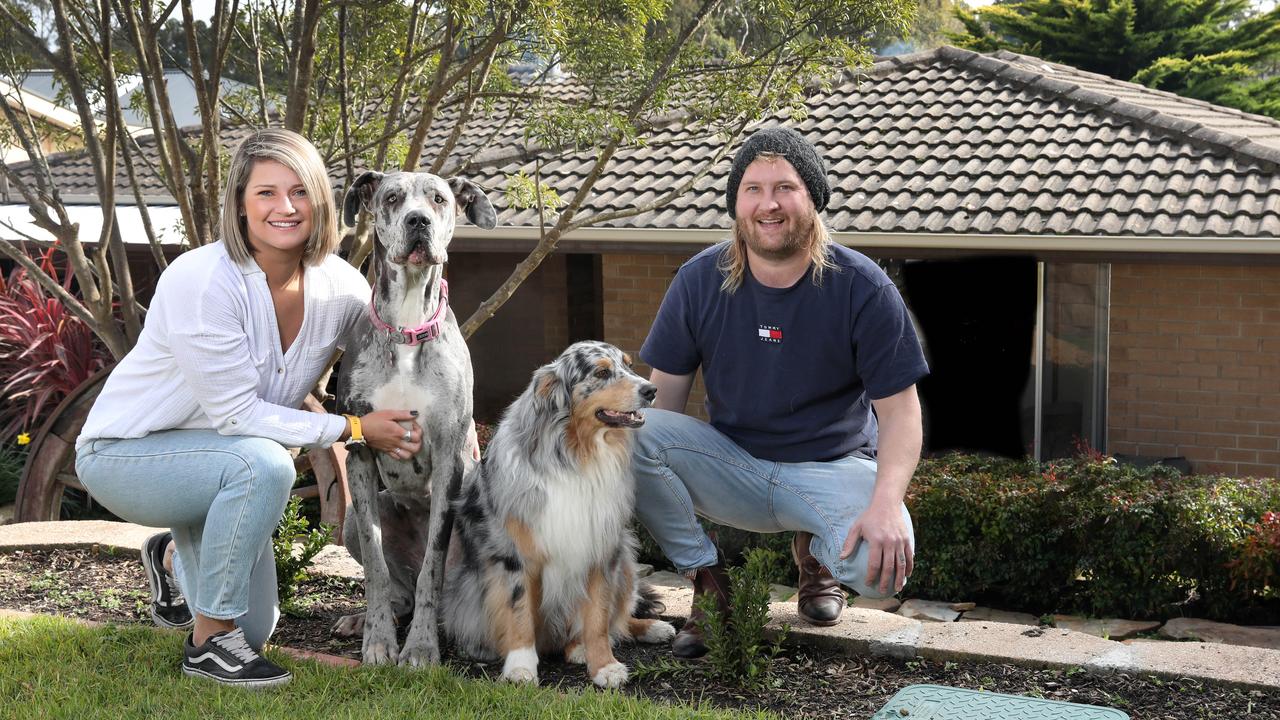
820, 599
691, 641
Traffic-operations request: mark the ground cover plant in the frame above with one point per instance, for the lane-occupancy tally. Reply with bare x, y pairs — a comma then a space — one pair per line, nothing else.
804, 682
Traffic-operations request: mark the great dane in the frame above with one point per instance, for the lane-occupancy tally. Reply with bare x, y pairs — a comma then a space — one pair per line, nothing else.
408, 354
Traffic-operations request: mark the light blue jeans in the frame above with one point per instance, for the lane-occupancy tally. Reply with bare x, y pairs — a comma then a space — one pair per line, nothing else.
222, 497
685, 468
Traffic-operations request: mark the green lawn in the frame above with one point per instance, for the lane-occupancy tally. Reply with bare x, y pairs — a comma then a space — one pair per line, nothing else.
55, 668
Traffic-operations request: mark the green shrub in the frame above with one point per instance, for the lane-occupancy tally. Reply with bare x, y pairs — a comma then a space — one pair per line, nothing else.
989, 530
1091, 536
737, 650
1086, 535
291, 562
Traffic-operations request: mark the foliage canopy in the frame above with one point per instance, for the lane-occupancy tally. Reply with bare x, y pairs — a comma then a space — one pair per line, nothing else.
371, 82
1220, 51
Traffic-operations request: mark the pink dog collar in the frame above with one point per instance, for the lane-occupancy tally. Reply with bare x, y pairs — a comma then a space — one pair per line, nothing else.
423, 333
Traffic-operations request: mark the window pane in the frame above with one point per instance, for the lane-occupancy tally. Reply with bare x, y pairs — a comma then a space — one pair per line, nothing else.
1074, 378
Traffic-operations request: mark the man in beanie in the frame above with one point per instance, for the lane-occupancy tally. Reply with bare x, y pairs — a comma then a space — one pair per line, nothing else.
799, 340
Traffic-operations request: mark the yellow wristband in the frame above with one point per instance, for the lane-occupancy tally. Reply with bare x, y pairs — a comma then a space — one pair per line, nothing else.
357, 435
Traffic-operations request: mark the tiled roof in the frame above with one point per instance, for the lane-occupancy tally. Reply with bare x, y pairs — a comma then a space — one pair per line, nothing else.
947, 142
954, 142
73, 174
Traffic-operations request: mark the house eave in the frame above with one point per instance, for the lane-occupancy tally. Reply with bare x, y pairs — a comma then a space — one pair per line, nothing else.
644, 240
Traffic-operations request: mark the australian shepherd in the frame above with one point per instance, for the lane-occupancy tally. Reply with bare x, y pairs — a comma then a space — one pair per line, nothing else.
544, 560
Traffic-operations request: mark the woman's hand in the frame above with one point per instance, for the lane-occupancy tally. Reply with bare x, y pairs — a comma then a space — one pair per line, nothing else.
385, 431
473, 442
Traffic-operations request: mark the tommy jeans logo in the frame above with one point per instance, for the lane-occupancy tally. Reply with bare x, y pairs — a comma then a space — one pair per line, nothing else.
770, 334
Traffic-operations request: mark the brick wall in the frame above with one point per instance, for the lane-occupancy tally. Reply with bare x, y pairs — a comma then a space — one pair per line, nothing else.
633, 290
1195, 365
529, 330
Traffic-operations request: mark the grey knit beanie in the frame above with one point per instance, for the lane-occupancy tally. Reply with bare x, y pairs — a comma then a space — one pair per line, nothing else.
791, 145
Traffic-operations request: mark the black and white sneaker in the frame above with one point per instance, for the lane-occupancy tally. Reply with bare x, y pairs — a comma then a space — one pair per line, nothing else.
227, 658
168, 608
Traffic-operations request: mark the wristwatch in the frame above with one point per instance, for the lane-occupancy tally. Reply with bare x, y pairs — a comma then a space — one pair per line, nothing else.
357, 435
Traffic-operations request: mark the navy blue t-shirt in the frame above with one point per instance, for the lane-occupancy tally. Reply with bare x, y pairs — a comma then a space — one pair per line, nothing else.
790, 372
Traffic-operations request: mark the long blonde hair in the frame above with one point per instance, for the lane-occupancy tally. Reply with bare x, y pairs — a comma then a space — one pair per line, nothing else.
733, 261
298, 154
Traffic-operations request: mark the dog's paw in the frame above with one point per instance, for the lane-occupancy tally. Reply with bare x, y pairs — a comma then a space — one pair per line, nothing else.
613, 675
659, 631
419, 654
576, 654
379, 652
349, 626
521, 666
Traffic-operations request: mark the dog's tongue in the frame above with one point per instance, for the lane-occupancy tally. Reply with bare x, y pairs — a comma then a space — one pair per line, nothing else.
418, 256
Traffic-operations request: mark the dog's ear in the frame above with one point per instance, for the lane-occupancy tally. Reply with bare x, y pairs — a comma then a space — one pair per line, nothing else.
360, 194
474, 202
549, 389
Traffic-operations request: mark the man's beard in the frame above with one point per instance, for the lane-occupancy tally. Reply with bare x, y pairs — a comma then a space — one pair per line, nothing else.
796, 241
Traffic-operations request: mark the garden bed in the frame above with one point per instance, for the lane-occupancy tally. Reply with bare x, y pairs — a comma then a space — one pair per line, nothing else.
807, 682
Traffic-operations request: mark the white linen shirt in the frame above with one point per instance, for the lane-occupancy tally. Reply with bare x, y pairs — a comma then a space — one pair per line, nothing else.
209, 355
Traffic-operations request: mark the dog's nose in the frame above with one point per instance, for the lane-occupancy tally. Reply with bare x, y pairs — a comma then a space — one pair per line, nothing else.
648, 391
417, 221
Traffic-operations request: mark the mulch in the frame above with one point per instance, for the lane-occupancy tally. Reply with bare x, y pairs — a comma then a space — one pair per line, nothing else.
804, 682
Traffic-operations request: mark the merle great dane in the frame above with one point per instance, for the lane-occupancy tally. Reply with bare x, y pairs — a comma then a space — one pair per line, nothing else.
408, 354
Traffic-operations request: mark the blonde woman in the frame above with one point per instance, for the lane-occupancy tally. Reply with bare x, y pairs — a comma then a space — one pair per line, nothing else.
191, 429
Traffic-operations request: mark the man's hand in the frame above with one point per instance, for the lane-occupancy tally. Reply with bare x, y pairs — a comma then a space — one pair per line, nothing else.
890, 556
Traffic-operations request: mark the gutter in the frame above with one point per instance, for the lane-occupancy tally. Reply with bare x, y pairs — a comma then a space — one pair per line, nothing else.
604, 239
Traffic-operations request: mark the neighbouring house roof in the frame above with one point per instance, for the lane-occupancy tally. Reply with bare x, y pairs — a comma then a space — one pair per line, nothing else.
179, 85
946, 149
73, 173
40, 109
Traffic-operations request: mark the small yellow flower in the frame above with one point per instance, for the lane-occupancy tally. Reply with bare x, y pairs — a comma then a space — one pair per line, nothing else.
24, 439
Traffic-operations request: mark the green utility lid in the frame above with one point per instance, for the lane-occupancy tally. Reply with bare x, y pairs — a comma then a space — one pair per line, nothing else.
935, 702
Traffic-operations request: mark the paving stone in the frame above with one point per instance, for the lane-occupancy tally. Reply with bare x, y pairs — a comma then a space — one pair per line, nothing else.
1002, 642
75, 534
889, 604
1110, 628
669, 579
928, 611
1235, 664
860, 631
643, 570
322, 658
1216, 632
335, 561
782, 593
678, 600
985, 614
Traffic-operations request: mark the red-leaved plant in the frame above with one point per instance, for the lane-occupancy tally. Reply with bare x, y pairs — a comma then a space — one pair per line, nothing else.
45, 350
1257, 567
